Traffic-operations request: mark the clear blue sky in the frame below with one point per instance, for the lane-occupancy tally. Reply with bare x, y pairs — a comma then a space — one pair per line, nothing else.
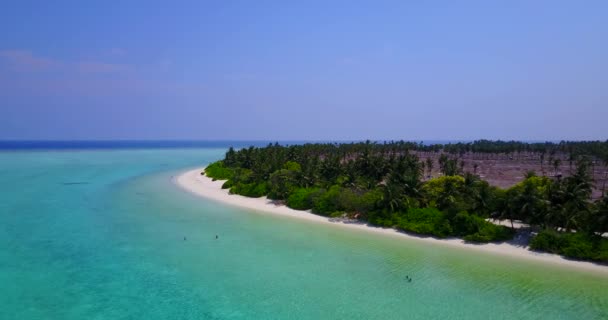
318, 70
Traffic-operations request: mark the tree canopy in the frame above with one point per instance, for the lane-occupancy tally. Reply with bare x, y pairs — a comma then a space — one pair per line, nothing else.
384, 184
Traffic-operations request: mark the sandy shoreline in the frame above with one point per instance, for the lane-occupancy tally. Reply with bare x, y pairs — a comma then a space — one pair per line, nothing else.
203, 186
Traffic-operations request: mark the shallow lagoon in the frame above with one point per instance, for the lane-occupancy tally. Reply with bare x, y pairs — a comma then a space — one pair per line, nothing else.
106, 235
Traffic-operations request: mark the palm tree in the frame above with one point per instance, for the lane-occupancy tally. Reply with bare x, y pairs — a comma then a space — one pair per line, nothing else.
392, 197
605, 161
556, 163
570, 206
448, 167
571, 158
530, 204
576, 208
600, 220
506, 209
542, 160
403, 180
423, 166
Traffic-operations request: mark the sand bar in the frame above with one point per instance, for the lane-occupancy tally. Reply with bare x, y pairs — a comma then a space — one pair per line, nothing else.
203, 186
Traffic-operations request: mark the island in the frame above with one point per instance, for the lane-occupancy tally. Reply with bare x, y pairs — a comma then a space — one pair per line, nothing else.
545, 197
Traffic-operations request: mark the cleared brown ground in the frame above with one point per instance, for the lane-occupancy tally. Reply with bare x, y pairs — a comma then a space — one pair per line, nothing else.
505, 170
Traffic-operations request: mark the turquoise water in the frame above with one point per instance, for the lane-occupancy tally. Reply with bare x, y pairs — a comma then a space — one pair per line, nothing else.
100, 235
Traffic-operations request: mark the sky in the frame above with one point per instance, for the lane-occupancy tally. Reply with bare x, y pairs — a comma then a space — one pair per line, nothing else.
304, 70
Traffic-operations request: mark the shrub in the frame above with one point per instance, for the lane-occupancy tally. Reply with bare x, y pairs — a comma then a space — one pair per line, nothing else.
489, 232
425, 221
369, 201
476, 229
446, 193
578, 246
465, 224
337, 214
253, 190
602, 252
348, 200
324, 203
547, 240
218, 171
383, 218
301, 199
282, 183
572, 245
227, 185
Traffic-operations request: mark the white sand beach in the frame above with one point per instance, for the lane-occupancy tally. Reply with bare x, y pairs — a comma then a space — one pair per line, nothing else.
203, 186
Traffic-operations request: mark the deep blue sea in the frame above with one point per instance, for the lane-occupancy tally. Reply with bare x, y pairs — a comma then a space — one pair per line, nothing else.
100, 231
163, 144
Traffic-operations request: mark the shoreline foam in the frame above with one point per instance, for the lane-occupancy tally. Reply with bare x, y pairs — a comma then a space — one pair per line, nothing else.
203, 186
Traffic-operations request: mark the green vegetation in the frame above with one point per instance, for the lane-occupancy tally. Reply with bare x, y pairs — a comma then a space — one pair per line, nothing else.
383, 185
301, 199
218, 171
425, 221
573, 245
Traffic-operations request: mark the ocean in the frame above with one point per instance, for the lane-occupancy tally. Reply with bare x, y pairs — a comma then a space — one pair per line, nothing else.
102, 232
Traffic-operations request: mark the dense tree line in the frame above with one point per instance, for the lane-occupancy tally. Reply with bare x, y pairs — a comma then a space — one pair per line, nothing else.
595, 149
382, 183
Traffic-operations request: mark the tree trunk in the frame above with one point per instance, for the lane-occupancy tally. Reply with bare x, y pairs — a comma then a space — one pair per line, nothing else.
604, 184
